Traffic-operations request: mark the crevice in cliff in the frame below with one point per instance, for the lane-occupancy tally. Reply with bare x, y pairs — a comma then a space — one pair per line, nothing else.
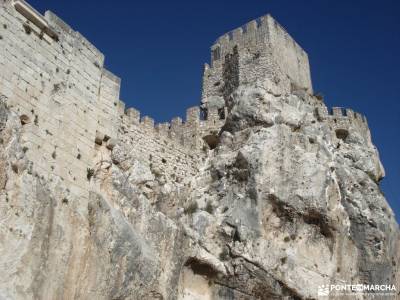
262, 283
231, 287
200, 268
311, 217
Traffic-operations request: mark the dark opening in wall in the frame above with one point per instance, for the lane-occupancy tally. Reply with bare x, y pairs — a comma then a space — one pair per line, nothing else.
24, 119
211, 140
201, 268
216, 54
27, 29
256, 55
230, 73
204, 114
221, 113
342, 134
236, 236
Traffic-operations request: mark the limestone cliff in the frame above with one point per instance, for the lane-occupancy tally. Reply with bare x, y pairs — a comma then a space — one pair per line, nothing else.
268, 196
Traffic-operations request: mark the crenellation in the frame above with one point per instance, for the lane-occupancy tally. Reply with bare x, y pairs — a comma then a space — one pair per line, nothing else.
237, 35
163, 128
337, 111
358, 116
193, 115
133, 115
147, 123
176, 124
120, 107
251, 29
112, 77
349, 113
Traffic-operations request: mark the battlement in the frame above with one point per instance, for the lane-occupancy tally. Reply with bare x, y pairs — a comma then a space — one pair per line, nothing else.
257, 31
347, 112
195, 125
345, 120
341, 113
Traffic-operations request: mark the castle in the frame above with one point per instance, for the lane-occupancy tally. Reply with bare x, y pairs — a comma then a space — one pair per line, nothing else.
262, 192
69, 105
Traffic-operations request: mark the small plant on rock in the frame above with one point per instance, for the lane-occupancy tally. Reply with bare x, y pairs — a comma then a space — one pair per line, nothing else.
89, 173
224, 255
209, 208
191, 208
319, 96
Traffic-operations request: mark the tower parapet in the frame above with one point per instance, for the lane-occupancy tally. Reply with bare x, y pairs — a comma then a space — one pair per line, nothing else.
345, 121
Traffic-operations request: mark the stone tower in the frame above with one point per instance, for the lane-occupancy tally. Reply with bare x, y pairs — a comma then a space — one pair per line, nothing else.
260, 52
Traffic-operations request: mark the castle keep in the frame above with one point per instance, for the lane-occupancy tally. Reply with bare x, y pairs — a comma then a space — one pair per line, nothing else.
260, 52
55, 80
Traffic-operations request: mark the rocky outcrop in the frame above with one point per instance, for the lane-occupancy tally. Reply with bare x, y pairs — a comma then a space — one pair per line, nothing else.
282, 205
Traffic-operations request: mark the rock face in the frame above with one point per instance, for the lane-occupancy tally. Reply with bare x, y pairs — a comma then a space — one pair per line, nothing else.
269, 197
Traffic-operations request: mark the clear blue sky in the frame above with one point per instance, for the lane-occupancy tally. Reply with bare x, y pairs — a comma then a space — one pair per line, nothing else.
158, 48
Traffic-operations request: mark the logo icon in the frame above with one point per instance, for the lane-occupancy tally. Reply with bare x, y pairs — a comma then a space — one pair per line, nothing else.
323, 290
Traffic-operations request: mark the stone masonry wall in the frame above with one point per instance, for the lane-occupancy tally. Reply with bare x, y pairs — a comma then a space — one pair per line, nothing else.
343, 119
267, 53
289, 56
54, 85
172, 149
69, 103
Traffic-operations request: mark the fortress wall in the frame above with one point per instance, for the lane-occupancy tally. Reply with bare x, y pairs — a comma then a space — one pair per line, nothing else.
108, 104
173, 149
154, 146
61, 87
72, 107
